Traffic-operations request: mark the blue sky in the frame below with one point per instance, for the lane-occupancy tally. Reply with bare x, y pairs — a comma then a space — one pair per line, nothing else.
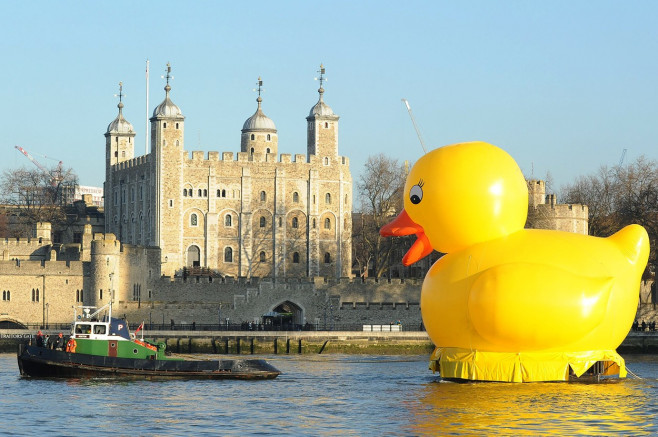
563, 86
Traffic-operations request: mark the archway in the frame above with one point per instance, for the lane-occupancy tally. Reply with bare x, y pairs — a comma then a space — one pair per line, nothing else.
11, 324
193, 256
285, 316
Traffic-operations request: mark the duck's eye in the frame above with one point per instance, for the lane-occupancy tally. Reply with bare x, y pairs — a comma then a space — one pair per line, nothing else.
416, 194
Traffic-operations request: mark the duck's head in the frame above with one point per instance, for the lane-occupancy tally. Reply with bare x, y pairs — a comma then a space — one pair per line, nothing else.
459, 195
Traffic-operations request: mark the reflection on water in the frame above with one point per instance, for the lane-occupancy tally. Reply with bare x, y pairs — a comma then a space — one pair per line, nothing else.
619, 407
330, 395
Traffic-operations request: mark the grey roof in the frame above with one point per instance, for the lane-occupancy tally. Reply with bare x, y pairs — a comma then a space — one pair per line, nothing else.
259, 121
120, 124
167, 108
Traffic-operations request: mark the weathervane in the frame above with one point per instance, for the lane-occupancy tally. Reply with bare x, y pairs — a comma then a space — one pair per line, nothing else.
168, 76
321, 78
121, 95
259, 89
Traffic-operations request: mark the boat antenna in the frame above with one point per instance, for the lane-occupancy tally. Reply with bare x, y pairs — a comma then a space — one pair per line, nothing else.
420, 138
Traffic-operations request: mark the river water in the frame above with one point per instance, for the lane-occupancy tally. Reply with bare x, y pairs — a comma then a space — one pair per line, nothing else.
330, 395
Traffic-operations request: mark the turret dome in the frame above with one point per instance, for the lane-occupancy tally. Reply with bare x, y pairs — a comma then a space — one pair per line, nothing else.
259, 121
120, 125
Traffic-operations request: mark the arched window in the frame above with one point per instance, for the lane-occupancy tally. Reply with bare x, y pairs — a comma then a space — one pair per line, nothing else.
269, 138
326, 125
189, 192
295, 257
327, 223
184, 192
327, 258
199, 192
218, 195
164, 125
295, 222
228, 221
253, 137
295, 197
327, 198
176, 125
262, 222
267, 150
262, 257
313, 223
263, 196
326, 161
177, 143
205, 193
228, 255
252, 149
194, 220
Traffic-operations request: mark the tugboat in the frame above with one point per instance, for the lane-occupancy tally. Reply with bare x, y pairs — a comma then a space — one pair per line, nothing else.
104, 348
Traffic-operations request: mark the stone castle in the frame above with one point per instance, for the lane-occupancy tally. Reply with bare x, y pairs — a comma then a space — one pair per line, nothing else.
276, 229
251, 216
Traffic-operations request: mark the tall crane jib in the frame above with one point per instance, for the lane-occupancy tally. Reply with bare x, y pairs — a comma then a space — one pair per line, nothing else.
55, 177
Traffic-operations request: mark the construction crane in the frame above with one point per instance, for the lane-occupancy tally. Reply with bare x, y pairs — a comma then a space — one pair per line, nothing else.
413, 120
623, 155
62, 190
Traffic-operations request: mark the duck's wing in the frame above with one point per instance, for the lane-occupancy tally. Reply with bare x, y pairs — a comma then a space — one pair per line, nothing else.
528, 306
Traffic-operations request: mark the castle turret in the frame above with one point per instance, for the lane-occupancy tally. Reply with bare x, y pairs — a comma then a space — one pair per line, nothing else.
105, 268
322, 128
167, 149
119, 147
259, 132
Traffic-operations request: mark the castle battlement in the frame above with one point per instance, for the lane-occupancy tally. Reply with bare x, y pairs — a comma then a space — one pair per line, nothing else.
49, 268
199, 155
23, 242
131, 163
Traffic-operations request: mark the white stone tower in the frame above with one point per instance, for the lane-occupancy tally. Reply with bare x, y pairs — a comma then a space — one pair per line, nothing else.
168, 156
119, 147
322, 129
259, 133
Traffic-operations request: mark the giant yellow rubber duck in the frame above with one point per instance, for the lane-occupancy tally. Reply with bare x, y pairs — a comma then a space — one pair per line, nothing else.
507, 303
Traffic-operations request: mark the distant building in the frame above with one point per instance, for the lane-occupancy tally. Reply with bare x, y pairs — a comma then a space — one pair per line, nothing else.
95, 192
545, 213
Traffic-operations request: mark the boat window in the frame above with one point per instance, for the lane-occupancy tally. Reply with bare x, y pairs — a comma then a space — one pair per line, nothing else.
82, 329
99, 329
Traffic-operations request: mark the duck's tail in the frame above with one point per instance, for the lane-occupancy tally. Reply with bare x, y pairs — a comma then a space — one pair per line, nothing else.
633, 241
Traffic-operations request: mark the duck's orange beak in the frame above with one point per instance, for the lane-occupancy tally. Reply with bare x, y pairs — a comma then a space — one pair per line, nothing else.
403, 225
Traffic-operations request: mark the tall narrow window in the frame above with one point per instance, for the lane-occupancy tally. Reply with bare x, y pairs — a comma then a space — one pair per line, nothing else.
263, 196
295, 222
205, 193
327, 258
253, 137
262, 222
228, 255
184, 192
327, 223
200, 192
327, 198
295, 197
262, 257
269, 138
295, 257
228, 221
193, 220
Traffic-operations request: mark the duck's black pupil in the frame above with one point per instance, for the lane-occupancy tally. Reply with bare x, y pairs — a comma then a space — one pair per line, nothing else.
415, 199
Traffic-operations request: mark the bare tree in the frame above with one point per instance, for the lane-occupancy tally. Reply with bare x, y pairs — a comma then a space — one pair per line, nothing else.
36, 196
380, 190
619, 196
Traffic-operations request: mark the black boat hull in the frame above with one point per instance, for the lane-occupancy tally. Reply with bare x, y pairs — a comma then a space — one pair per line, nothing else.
40, 362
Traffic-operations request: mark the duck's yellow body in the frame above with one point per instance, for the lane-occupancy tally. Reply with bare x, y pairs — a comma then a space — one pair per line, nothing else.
506, 303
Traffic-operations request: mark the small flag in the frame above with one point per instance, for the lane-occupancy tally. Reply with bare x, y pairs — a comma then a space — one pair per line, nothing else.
139, 328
